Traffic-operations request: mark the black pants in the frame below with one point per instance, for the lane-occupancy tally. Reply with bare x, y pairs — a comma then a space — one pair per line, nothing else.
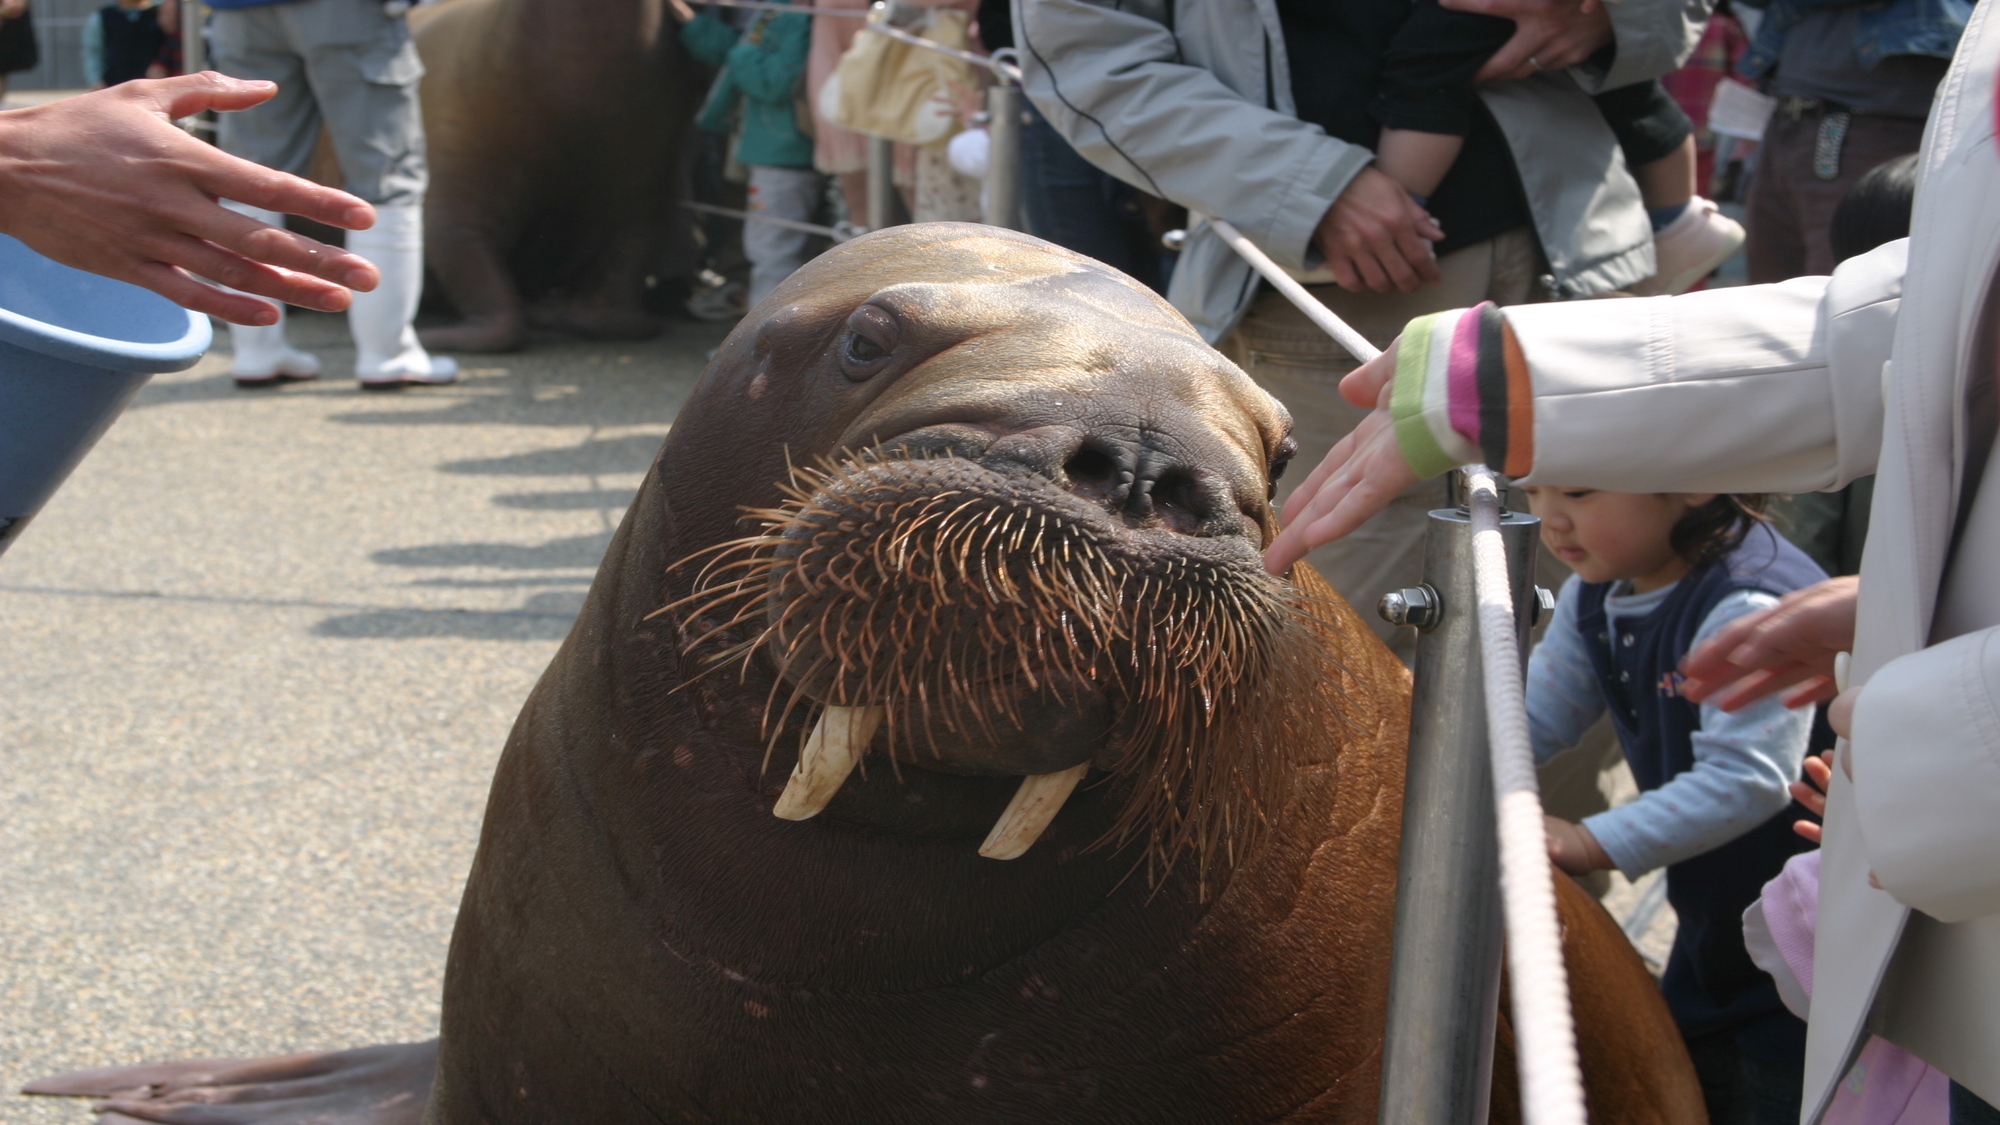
1743, 1089
1967, 1108
1648, 123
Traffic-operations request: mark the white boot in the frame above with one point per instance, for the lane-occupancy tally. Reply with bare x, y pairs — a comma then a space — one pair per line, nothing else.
262, 355
386, 351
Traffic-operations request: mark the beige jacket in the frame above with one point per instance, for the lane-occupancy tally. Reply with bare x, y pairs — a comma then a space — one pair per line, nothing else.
1806, 385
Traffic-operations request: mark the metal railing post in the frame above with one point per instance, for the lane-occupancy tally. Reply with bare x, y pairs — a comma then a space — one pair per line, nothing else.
1003, 166
882, 202
1444, 970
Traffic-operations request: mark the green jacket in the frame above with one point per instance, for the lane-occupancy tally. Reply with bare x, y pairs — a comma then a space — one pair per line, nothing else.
761, 68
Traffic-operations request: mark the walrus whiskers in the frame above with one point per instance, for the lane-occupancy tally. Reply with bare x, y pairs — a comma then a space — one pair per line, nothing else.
924, 589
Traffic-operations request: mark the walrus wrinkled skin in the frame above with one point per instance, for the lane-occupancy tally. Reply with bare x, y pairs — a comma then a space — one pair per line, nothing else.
554, 130
641, 940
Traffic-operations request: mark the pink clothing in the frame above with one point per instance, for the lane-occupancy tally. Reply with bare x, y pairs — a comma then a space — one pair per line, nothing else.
1887, 1085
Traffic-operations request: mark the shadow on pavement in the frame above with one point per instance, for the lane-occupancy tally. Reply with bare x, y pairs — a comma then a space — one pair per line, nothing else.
575, 551
630, 454
567, 501
543, 617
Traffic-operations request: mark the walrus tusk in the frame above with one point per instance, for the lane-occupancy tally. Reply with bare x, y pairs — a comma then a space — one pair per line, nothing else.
1035, 803
832, 749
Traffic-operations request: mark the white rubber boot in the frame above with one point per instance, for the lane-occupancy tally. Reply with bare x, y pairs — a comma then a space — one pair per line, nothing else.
263, 358
386, 351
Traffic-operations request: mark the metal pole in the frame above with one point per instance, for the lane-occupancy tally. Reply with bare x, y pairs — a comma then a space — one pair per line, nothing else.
1444, 969
882, 202
1003, 164
194, 43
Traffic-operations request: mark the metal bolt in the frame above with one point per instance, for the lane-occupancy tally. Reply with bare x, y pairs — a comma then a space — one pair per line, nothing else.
1418, 607
1174, 240
1545, 604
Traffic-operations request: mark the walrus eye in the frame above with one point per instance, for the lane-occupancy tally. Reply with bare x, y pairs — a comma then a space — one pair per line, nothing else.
872, 335
1287, 449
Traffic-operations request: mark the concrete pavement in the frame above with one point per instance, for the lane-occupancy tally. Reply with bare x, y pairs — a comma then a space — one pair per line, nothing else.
258, 658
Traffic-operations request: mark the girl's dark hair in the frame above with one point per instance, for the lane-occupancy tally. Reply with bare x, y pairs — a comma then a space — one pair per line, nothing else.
1707, 534
1876, 209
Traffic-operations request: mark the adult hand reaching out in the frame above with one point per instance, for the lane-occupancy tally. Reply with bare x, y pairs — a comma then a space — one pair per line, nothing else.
1548, 34
1376, 237
105, 182
1359, 477
1789, 646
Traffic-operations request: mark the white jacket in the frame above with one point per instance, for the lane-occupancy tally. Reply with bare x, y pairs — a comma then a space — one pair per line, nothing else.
1791, 387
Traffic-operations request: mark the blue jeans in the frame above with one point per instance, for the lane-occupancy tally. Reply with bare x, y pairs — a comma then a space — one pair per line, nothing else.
1074, 205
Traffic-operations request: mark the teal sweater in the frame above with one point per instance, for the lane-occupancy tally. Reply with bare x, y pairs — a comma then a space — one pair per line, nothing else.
761, 69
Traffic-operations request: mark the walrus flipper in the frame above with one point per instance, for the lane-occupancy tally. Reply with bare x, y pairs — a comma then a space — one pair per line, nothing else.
385, 1085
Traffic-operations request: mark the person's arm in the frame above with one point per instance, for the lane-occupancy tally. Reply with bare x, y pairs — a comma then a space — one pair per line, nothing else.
93, 51
1113, 81
105, 182
769, 70
1424, 79
1763, 388
1562, 696
1648, 38
1744, 764
1925, 760
708, 38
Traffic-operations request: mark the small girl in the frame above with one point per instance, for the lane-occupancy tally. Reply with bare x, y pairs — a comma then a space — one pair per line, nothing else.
1655, 575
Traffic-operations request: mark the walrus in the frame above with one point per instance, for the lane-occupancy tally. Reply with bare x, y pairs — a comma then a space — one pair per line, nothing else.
555, 133
932, 747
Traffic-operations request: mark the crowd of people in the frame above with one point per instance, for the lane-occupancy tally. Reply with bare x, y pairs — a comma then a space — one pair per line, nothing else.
1490, 190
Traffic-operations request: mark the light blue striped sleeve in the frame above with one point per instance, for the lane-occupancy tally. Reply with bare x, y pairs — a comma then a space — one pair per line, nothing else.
1743, 765
1563, 698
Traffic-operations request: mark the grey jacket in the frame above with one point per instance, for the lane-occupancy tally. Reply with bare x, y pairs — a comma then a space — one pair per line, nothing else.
1191, 100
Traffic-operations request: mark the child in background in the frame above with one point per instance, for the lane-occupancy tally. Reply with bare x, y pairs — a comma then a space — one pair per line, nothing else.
130, 39
1425, 103
1655, 575
763, 72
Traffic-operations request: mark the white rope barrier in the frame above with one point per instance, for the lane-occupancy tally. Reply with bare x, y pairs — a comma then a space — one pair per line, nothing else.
1544, 1030
1356, 344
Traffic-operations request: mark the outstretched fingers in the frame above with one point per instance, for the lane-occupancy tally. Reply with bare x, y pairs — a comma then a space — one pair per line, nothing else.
1362, 475
244, 238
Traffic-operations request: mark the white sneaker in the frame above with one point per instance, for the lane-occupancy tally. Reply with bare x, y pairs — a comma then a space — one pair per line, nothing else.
1690, 249
386, 352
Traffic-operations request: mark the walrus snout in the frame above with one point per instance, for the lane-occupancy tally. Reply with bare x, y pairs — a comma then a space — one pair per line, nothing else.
985, 622
1132, 472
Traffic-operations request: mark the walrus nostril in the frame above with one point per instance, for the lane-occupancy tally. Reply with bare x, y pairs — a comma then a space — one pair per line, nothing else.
1179, 492
1095, 474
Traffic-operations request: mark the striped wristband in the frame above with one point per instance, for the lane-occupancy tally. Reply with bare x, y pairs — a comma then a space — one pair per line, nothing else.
1462, 395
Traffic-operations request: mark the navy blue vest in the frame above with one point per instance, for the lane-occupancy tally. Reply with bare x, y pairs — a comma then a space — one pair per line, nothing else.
1710, 983
132, 42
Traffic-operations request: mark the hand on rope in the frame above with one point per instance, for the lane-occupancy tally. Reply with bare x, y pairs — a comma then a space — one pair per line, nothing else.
1358, 478
104, 182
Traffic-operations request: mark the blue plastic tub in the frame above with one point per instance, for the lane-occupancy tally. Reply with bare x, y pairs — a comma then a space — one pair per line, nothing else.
74, 349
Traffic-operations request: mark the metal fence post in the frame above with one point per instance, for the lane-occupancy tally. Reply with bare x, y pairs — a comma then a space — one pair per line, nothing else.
1003, 166
882, 202
1444, 971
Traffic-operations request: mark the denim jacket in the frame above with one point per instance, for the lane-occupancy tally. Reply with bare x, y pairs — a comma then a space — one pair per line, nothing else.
1898, 27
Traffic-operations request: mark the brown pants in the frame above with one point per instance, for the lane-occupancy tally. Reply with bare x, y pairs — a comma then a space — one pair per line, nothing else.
1791, 209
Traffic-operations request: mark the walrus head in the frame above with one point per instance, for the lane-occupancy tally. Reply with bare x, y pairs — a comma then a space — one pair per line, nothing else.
1018, 534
